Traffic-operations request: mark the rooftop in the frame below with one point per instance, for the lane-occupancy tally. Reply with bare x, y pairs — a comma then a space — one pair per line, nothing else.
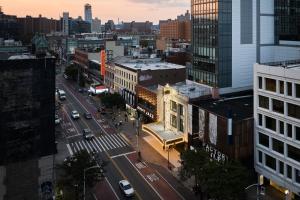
146, 64
191, 89
238, 105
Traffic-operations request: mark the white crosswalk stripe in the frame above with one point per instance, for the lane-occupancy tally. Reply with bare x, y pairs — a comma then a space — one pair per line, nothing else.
99, 144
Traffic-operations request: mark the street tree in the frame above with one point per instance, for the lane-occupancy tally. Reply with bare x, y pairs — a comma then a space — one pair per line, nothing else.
72, 72
112, 100
220, 180
71, 180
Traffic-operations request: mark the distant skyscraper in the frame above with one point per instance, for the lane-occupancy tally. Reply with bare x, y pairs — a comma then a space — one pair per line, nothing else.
65, 23
96, 25
88, 13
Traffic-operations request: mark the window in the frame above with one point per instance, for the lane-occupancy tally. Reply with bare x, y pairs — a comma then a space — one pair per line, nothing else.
289, 171
270, 162
173, 121
297, 175
263, 102
281, 87
278, 146
173, 106
270, 85
260, 120
281, 168
293, 153
181, 128
263, 139
289, 89
260, 82
294, 110
281, 127
270, 123
297, 133
180, 109
278, 106
260, 156
297, 87
289, 130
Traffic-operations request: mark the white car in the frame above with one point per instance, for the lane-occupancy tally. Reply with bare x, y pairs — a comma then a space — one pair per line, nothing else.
75, 114
126, 188
57, 119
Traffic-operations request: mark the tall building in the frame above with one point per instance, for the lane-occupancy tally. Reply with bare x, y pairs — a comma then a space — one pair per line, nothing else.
88, 13
223, 55
96, 26
176, 30
26, 108
9, 26
277, 126
185, 17
65, 23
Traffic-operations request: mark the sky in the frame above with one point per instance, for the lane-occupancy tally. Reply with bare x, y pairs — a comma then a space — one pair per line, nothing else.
125, 10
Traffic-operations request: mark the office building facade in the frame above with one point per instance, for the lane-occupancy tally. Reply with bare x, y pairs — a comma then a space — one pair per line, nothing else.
88, 13
277, 126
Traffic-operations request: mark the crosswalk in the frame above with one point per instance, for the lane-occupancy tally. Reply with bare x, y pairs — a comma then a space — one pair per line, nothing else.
98, 144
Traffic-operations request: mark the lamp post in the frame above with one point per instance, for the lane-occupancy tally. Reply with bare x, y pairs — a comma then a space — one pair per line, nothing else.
85, 170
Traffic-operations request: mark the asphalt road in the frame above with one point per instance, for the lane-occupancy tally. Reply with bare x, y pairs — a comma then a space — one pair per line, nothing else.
111, 147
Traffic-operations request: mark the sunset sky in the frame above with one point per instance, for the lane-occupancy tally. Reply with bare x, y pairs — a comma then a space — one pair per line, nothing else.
126, 10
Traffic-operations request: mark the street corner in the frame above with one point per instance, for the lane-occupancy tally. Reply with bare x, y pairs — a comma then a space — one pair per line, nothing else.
103, 190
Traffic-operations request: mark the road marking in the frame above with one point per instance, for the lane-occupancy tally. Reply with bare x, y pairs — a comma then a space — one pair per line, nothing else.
104, 143
113, 140
108, 141
119, 139
112, 188
92, 143
123, 154
77, 147
70, 120
97, 142
125, 138
73, 136
70, 150
170, 185
80, 145
144, 178
85, 147
87, 143
100, 141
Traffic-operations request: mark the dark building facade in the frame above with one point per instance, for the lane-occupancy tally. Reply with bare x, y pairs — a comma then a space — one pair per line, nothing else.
9, 26
211, 43
224, 127
27, 106
287, 19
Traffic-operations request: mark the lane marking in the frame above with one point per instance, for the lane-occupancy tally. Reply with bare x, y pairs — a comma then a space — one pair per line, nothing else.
70, 150
144, 178
123, 154
112, 188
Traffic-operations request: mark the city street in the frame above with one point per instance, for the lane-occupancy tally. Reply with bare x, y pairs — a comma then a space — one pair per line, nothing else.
111, 146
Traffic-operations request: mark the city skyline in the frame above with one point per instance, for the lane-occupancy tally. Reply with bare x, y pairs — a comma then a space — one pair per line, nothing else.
137, 10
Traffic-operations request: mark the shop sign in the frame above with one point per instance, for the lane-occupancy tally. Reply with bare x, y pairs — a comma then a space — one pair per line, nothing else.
145, 112
214, 153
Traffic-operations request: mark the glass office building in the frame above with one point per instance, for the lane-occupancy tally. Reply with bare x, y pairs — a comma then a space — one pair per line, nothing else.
211, 42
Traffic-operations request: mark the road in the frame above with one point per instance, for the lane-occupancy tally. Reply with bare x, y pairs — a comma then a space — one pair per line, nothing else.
110, 145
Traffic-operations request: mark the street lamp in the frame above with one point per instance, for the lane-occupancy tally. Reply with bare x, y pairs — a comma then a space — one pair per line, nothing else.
85, 170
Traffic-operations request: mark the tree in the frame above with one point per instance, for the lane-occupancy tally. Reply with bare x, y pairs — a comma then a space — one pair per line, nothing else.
71, 181
72, 72
221, 180
112, 100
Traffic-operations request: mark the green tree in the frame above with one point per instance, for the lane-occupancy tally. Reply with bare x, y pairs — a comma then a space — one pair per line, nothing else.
72, 72
71, 179
112, 100
220, 180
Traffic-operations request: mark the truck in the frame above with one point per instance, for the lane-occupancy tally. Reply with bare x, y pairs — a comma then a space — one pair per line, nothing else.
61, 95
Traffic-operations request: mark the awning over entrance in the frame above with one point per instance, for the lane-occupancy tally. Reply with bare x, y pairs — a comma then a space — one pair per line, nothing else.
165, 137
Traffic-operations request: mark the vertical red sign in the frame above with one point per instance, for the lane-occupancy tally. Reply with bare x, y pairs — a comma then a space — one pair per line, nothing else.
103, 59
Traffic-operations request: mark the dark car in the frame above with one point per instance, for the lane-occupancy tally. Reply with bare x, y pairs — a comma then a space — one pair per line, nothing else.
87, 134
88, 115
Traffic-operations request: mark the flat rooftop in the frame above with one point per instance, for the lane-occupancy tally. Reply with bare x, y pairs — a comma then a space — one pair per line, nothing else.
146, 64
191, 89
239, 105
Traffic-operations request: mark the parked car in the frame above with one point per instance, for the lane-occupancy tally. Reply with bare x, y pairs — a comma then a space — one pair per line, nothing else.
88, 115
75, 114
126, 188
87, 134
